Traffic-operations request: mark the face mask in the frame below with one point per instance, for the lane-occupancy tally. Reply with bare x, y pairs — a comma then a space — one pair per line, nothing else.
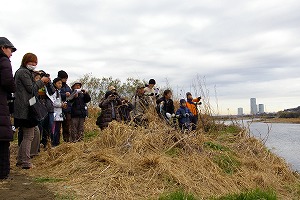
31, 67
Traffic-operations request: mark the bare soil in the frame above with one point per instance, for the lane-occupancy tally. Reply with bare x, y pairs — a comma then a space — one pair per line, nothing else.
20, 186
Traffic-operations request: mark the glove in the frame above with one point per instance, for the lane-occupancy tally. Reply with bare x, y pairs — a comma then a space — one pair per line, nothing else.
187, 115
168, 115
177, 116
173, 115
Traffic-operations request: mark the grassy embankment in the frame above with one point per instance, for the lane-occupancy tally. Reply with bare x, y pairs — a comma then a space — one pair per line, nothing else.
124, 162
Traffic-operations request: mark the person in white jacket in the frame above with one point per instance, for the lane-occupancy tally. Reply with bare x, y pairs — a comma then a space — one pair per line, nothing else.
58, 113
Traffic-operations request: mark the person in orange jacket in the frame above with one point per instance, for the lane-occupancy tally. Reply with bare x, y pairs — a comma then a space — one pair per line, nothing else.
191, 104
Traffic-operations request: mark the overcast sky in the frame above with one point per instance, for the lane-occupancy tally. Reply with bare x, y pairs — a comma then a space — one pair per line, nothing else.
234, 49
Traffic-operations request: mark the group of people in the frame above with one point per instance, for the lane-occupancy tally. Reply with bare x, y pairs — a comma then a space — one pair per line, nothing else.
66, 108
113, 107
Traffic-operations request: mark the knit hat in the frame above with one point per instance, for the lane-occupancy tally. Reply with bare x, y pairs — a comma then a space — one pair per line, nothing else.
62, 74
152, 81
188, 93
182, 101
56, 80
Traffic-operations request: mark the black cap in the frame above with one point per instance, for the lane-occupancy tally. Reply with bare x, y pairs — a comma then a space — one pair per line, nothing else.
62, 74
4, 42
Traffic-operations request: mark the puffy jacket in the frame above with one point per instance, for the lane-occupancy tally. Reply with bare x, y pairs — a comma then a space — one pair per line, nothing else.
184, 115
192, 105
7, 86
107, 109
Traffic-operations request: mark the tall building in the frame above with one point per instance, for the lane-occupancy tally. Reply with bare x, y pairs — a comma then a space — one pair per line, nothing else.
240, 111
261, 108
253, 106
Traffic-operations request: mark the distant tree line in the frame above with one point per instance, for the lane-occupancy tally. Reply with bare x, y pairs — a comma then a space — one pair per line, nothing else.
288, 114
97, 87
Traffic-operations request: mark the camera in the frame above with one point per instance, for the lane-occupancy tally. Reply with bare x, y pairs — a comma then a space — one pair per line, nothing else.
43, 73
151, 94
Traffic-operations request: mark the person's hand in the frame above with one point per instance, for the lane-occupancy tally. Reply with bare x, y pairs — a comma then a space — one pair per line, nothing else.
68, 94
64, 105
45, 79
76, 95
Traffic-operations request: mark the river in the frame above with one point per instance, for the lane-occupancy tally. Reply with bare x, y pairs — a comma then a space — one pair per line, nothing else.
282, 138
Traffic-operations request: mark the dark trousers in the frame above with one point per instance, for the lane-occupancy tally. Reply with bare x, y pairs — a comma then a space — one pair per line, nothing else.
66, 125
56, 133
4, 159
46, 128
194, 121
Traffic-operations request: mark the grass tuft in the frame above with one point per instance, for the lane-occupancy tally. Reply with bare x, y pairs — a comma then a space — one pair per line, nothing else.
177, 195
257, 194
227, 163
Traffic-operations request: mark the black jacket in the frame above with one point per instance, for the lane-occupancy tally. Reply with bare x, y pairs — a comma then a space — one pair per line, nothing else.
7, 86
168, 106
79, 107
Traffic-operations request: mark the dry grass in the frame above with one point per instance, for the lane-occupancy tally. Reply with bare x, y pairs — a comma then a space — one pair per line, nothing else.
124, 162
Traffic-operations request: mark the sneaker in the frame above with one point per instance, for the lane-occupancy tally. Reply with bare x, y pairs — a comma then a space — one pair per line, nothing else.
27, 166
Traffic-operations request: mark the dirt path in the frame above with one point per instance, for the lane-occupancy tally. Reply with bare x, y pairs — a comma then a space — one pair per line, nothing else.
20, 186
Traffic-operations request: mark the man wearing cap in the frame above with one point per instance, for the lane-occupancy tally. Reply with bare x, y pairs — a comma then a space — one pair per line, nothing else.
191, 104
7, 86
65, 92
141, 105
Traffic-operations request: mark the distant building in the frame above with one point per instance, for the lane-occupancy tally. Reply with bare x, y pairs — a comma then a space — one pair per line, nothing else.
240, 111
261, 108
253, 106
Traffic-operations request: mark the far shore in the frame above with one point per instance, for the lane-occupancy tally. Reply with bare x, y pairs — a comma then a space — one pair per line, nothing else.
279, 120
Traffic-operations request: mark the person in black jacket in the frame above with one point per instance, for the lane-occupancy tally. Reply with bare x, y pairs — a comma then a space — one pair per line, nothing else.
165, 106
7, 86
78, 111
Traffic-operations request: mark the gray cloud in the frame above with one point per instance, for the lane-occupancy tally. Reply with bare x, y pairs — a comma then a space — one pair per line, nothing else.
243, 48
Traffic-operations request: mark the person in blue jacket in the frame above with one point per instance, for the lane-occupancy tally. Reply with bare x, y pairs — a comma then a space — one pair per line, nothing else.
183, 114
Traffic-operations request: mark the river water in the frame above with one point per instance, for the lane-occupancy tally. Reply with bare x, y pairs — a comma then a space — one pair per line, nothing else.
282, 138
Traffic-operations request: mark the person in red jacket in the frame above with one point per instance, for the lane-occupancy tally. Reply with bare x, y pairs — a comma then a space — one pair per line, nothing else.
7, 86
191, 104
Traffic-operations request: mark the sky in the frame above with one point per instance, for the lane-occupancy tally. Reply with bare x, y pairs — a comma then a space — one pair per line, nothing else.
225, 51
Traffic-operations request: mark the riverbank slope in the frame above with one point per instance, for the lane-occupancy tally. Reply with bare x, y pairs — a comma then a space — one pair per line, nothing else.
126, 162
